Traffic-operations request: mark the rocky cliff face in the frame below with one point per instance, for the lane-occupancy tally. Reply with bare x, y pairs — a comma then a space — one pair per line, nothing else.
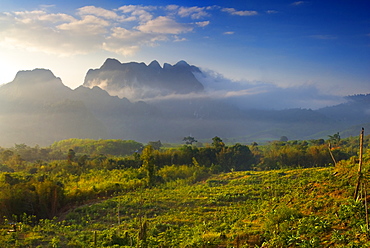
140, 81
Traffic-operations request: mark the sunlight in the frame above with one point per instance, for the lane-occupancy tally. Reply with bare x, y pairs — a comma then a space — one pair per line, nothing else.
8, 71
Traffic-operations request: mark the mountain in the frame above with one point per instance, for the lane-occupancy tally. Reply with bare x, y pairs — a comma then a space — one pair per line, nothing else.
33, 87
140, 81
37, 108
355, 110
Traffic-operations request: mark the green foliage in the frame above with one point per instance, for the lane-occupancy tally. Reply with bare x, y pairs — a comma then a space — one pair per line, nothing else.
40, 197
245, 209
237, 157
148, 165
174, 172
89, 146
334, 139
189, 140
217, 143
156, 145
284, 138
184, 197
295, 154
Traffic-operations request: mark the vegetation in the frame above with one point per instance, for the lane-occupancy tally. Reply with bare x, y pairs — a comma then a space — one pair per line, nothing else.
112, 193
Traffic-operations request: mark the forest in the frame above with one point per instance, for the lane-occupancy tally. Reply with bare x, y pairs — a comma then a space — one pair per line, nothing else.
122, 193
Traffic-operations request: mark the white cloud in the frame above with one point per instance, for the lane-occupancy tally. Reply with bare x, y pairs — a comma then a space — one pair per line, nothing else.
172, 7
90, 30
47, 6
264, 95
55, 18
202, 24
140, 13
124, 30
233, 11
164, 25
38, 31
245, 95
298, 3
229, 32
88, 25
128, 42
193, 12
179, 39
272, 11
100, 12
38, 16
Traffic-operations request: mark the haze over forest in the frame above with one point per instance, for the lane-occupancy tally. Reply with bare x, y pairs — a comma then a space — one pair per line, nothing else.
150, 102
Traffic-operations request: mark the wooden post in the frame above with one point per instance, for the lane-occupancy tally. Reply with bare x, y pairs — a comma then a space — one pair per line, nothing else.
360, 163
332, 156
361, 150
366, 210
119, 221
95, 238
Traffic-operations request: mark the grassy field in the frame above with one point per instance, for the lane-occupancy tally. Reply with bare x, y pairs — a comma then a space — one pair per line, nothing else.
278, 208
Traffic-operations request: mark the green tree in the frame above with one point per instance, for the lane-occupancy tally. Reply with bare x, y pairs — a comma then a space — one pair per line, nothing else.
284, 138
50, 196
217, 143
238, 157
148, 165
189, 140
71, 156
82, 160
156, 145
6, 155
334, 139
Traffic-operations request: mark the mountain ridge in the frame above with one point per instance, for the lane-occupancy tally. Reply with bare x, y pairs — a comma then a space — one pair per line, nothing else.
37, 108
140, 81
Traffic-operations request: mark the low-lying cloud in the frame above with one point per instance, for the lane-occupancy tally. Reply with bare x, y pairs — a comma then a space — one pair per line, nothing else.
245, 95
262, 95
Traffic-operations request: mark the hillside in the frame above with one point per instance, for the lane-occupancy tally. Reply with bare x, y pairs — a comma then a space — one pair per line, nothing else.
238, 209
35, 108
355, 110
109, 193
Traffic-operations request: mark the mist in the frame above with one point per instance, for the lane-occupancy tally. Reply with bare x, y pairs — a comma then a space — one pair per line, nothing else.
264, 95
37, 108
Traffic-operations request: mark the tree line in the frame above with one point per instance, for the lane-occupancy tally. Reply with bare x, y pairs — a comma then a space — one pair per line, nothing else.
40, 181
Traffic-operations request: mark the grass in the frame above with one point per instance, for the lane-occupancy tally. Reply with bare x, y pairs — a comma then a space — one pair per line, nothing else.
279, 208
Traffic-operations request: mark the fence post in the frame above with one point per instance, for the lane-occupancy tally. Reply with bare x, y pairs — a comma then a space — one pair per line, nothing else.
360, 163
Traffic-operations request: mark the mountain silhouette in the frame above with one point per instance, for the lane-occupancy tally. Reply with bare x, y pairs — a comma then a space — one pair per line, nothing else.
37, 108
140, 81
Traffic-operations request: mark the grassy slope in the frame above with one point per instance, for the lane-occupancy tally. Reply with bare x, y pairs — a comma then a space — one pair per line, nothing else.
281, 208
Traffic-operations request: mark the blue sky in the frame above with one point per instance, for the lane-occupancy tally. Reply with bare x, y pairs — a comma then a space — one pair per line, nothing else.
293, 46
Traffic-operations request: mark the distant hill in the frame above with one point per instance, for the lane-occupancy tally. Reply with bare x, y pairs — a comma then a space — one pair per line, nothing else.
355, 110
37, 108
138, 81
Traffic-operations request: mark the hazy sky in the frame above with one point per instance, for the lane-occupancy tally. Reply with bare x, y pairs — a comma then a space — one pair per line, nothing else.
317, 45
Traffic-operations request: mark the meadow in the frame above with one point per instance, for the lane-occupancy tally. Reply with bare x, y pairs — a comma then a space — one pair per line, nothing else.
140, 200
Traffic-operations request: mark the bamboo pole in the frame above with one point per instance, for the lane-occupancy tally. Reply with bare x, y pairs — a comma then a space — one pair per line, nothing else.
361, 150
332, 156
366, 209
360, 163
